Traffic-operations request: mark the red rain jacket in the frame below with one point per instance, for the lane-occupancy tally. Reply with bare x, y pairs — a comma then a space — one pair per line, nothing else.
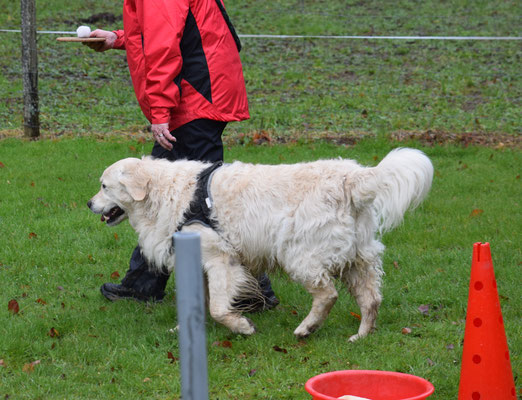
183, 61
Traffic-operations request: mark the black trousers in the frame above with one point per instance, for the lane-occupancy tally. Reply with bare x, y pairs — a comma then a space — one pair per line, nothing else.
198, 140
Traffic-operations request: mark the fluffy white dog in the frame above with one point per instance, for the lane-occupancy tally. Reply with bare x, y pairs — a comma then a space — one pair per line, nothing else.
317, 221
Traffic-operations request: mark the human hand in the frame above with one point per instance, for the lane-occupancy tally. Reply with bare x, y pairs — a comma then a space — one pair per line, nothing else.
110, 38
162, 135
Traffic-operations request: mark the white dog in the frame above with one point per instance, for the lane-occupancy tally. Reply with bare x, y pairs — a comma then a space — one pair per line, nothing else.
317, 221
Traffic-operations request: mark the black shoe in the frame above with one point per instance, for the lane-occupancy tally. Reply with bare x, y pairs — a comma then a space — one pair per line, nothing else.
115, 292
270, 302
270, 299
266, 300
256, 304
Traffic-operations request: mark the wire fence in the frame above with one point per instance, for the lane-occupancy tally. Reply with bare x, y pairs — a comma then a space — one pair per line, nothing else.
289, 44
338, 37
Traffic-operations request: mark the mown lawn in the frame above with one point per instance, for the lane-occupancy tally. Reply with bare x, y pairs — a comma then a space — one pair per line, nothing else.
309, 99
55, 254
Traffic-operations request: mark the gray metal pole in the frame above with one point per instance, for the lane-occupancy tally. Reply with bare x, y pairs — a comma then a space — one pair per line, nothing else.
30, 69
190, 298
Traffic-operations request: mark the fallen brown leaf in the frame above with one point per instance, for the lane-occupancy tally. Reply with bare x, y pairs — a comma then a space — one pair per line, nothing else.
115, 275
33, 235
406, 331
225, 343
261, 137
279, 349
53, 332
355, 315
476, 212
13, 306
30, 367
171, 357
424, 309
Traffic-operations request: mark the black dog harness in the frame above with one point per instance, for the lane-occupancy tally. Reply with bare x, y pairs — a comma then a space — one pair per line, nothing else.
201, 205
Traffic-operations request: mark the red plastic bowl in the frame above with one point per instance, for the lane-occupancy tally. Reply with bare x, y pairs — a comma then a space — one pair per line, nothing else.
374, 385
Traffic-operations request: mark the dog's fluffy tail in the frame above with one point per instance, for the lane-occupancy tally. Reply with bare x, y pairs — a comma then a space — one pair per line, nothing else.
399, 182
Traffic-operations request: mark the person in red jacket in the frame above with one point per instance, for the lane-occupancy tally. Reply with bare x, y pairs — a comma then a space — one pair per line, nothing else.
183, 58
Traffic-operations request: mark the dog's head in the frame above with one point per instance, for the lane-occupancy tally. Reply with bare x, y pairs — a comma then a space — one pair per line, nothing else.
122, 186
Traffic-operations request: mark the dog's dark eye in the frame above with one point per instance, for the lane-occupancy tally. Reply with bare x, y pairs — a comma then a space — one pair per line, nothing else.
103, 186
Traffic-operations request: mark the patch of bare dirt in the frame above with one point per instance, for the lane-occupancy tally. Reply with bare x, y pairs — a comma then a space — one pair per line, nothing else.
431, 138
264, 137
426, 138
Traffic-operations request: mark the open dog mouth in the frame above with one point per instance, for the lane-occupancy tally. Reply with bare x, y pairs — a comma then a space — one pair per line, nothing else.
113, 214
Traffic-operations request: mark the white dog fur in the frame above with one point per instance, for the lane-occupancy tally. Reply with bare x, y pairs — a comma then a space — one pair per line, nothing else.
317, 221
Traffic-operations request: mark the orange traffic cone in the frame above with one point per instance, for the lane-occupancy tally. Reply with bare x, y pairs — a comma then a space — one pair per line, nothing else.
486, 370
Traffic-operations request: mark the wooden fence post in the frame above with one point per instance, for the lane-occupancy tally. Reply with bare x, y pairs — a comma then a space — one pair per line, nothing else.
30, 69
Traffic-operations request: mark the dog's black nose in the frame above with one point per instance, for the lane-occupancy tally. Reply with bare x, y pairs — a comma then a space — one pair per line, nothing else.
89, 204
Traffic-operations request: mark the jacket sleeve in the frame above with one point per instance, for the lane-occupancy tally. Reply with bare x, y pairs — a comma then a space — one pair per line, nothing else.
162, 25
120, 40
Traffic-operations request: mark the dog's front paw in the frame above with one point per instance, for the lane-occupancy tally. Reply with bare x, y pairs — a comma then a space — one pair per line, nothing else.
245, 327
304, 331
361, 334
354, 338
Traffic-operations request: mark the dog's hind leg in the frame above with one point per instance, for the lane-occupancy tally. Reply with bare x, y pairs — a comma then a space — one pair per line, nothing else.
324, 297
224, 283
363, 280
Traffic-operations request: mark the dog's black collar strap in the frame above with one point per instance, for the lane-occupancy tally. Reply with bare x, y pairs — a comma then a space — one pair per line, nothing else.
201, 205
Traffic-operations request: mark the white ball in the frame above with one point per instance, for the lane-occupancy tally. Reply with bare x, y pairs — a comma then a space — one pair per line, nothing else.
83, 31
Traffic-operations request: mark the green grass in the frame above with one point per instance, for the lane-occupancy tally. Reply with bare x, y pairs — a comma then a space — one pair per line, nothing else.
55, 254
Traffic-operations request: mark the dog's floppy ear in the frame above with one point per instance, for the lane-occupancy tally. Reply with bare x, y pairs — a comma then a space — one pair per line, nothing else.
135, 181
